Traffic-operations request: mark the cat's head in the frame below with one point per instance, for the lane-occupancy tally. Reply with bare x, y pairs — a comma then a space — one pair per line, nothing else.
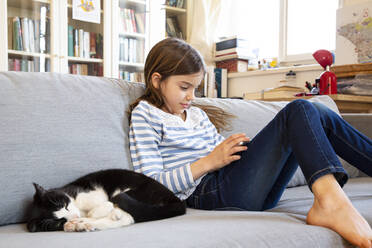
53, 205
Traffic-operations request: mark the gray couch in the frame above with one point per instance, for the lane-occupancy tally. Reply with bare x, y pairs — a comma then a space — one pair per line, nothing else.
57, 127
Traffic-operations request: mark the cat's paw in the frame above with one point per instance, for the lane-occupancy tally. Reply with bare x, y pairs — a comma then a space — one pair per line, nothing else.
79, 225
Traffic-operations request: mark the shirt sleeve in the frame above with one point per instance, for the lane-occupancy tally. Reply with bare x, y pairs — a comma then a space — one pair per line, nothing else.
145, 137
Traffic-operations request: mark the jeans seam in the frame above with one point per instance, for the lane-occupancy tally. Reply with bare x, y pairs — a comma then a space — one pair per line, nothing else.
348, 144
315, 137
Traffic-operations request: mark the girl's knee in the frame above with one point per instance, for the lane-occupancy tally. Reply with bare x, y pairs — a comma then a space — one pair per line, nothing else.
324, 111
300, 104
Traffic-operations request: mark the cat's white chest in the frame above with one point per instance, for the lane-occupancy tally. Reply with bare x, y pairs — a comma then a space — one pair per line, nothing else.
85, 201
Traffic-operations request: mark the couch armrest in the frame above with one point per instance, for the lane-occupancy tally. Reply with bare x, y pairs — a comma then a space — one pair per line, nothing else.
361, 121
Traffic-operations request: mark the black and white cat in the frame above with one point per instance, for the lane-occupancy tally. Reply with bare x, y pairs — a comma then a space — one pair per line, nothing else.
101, 200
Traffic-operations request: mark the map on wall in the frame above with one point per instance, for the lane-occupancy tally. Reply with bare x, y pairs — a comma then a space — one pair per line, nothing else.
354, 34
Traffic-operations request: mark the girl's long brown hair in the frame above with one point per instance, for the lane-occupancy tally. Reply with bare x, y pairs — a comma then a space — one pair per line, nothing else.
171, 57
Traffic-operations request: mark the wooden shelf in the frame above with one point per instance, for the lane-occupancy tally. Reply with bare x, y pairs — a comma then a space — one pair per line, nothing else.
27, 4
84, 60
343, 71
131, 64
345, 103
28, 54
174, 10
142, 2
134, 35
135, 4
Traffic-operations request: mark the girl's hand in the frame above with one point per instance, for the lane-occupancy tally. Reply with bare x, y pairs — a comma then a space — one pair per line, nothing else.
225, 152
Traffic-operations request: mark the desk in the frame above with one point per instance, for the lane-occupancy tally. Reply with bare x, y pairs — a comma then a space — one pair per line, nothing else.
345, 103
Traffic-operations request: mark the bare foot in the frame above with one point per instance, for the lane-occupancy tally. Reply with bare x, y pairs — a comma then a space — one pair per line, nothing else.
343, 218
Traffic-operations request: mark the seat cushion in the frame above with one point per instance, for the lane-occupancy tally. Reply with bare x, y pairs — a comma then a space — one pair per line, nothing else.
283, 226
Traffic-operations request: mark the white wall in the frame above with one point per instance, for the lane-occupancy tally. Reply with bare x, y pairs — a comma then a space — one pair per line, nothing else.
254, 81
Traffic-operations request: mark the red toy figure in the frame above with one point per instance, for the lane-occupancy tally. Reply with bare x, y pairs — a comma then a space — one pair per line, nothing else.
327, 80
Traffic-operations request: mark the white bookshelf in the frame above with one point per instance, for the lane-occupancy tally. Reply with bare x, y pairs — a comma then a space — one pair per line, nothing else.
59, 14
180, 14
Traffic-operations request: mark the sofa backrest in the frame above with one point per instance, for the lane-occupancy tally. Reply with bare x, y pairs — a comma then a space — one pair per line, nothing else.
55, 128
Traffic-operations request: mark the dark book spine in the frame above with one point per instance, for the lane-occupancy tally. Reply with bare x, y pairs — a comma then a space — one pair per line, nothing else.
226, 44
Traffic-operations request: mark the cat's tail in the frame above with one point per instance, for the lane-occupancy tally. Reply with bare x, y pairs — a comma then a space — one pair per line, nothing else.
45, 224
141, 211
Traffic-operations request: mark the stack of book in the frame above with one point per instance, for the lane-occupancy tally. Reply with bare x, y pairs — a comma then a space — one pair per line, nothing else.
233, 53
278, 93
84, 44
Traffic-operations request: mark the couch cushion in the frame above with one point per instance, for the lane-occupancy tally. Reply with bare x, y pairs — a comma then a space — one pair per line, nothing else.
55, 128
252, 116
283, 227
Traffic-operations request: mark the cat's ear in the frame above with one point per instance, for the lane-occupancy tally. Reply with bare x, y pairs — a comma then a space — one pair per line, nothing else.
39, 190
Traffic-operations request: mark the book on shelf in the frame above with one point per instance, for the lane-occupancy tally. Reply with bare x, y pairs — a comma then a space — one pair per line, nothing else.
131, 76
70, 38
17, 34
207, 87
214, 83
131, 21
25, 34
28, 35
175, 3
232, 42
140, 20
92, 69
99, 46
220, 76
131, 50
92, 44
84, 44
285, 91
243, 52
233, 65
211, 82
29, 65
81, 43
172, 27
231, 56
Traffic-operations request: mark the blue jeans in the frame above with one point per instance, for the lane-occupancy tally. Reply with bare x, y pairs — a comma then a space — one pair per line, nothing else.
302, 133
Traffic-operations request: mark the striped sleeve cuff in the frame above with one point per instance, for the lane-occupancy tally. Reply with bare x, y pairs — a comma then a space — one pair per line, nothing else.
177, 180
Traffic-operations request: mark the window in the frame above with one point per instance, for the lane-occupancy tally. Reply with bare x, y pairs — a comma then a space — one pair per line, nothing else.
257, 21
311, 25
289, 29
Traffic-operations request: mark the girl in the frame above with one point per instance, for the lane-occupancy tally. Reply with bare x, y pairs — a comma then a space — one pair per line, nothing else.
175, 142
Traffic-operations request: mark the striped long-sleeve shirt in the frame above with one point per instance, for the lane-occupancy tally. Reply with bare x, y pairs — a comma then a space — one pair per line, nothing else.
163, 146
